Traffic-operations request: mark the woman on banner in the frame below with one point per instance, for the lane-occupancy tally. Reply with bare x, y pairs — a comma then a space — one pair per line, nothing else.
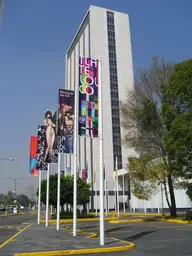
50, 134
68, 124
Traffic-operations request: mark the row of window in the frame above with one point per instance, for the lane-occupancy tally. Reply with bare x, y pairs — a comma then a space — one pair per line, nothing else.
114, 90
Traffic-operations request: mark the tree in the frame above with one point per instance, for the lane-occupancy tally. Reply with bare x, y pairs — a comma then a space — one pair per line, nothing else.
177, 114
23, 200
144, 129
66, 191
9, 198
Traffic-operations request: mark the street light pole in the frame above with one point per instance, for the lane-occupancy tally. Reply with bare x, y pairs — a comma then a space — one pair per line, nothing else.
7, 158
15, 180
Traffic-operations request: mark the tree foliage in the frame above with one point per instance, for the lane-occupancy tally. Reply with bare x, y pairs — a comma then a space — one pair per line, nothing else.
177, 113
66, 191
144, 130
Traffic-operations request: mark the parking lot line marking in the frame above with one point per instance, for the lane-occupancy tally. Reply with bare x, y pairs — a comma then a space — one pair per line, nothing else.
152, 248
11, 238
167, 240
189, 229
119, 232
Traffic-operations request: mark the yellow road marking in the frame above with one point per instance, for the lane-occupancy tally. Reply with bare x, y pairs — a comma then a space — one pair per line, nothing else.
11, 238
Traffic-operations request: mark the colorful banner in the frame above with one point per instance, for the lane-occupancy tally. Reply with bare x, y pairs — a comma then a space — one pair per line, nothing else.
41, 165
33, 157
65, 121
50, 145
88, 97
84, 174
68, 171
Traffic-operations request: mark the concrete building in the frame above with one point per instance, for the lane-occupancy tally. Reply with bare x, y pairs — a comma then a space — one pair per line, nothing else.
103, 33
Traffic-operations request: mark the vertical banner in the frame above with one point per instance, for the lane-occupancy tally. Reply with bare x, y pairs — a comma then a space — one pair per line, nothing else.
88, 97
68, 171
50, 145
33, 157
65, 121
84, 174
41, 165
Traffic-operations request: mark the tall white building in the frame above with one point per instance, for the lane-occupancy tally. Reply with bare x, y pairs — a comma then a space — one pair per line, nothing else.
103, 33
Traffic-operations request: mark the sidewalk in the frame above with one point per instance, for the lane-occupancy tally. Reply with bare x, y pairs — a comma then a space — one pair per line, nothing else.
38, 238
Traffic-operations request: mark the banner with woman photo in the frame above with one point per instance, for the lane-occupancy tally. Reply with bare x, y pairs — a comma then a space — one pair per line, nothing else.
50, 145
65, 121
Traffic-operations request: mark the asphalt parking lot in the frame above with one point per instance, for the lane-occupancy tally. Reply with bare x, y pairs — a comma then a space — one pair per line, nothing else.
151, 238
11, 225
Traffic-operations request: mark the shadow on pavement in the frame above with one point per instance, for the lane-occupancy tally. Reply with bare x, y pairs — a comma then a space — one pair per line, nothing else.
132, 238
142, 234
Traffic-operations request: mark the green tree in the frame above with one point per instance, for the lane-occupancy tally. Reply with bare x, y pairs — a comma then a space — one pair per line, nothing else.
66, 191
144, 129
23, 200
177, 114
9, 198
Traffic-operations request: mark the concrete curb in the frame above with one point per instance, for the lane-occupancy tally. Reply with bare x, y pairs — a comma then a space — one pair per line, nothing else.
127, 247
67, 221
133, 221
178, 221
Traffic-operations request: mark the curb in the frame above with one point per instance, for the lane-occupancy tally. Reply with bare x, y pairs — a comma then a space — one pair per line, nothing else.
133, 221
179, 221
127, 247
81, 251
67, 221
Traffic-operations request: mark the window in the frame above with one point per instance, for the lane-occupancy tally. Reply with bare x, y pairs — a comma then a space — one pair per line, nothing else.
114, 89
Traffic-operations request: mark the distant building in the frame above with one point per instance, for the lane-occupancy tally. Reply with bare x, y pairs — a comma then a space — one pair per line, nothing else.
1, 11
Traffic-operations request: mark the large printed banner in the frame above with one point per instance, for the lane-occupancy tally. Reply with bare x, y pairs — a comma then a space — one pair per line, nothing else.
50, 144
41, 165
33, 157
65, 121
88, 97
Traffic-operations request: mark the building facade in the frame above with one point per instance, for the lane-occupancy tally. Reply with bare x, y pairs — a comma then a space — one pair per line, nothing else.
103, 34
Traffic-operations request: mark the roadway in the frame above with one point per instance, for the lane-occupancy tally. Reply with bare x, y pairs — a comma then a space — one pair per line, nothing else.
151, 238
10, 225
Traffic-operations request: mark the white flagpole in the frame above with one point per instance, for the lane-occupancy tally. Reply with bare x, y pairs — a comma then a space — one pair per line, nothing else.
75, 165
124, 192
39, 199
117, 183
105, 196
95, 181
101, 158
58, 192
47, 199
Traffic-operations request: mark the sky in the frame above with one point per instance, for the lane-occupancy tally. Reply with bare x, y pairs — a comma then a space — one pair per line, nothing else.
34, 38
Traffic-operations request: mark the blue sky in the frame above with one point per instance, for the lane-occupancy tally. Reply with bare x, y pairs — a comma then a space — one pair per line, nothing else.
33, 40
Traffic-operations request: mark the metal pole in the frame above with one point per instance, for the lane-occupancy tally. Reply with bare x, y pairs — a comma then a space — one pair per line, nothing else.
58, 192
15, 187
124, 192
106, 197
117, 189
39, 200
47, 199
101, 158
75, 165
92, 174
